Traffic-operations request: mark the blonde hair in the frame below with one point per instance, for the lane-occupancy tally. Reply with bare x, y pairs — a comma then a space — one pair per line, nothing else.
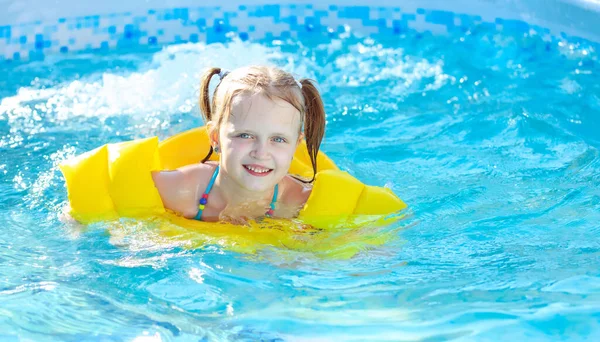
273, 83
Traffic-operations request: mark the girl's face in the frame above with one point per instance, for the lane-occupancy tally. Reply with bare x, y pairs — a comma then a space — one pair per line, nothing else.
258, 141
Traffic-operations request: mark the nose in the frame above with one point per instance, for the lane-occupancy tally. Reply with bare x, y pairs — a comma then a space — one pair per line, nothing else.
260, 150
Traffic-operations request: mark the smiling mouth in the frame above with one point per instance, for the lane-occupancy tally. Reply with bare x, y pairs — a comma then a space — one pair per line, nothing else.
256, 170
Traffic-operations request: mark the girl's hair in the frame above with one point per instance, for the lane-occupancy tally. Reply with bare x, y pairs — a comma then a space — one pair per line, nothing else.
272, 83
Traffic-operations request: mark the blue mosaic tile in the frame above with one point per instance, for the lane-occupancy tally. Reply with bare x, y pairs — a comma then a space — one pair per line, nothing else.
201, 23
399, 26
181, 13
408, 17
321, 14
358, 12
265, 11
487, 26
291, 20
440, 17
517, 26
312, 21
5, 31
154, 27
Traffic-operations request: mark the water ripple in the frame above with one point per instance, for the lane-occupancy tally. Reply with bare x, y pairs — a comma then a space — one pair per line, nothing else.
490, 138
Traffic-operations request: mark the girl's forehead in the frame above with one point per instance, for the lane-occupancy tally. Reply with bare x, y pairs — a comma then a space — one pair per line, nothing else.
259, 111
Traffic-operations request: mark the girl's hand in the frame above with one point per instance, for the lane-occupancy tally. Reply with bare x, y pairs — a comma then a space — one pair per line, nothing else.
236, 220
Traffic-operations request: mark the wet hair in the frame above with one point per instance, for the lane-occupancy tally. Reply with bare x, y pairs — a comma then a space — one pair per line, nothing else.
273, 83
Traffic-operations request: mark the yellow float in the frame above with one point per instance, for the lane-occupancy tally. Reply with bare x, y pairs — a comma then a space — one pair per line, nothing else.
114, 181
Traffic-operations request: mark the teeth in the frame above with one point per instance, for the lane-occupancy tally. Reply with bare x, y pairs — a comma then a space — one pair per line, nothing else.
256, 169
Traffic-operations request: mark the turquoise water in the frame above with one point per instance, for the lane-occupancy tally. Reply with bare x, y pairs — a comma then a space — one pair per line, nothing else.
492, 139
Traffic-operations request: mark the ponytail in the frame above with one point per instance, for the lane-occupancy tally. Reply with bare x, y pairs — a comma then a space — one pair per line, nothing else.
314, 121
204, 101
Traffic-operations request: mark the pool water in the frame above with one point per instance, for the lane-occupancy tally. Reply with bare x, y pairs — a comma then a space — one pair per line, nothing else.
492, 139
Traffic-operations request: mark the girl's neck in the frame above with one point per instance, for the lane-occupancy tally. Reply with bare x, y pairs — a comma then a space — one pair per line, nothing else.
234, 195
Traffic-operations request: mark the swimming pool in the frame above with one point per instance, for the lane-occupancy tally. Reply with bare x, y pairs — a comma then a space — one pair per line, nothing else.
486, 125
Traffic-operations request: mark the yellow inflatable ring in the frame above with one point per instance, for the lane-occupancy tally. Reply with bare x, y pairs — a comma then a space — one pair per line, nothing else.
114, 181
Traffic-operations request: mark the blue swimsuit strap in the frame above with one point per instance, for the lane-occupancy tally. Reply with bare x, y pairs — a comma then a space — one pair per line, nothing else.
206, 192
209, 188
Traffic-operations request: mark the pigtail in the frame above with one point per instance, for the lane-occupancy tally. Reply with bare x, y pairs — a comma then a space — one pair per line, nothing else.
204, 101
314, 121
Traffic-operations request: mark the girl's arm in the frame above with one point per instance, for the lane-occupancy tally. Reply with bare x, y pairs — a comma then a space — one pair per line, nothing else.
179, 189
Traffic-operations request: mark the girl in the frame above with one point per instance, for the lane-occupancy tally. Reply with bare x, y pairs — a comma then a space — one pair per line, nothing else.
255, 123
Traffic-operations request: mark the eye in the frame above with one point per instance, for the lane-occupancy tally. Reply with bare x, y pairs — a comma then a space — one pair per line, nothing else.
279, 140
244, 136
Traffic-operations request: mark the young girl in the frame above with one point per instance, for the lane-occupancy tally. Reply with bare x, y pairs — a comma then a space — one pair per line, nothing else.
255, 123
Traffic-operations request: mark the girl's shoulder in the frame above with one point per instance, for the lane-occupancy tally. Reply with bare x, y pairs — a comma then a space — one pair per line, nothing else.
295, 192
180, 189
193, 174
200, 172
